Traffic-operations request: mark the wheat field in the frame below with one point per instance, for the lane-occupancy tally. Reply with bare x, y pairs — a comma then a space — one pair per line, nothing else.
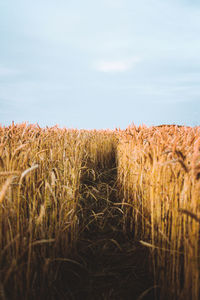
74, 201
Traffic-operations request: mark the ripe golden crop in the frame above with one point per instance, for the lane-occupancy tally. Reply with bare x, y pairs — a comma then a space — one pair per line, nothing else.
158, 179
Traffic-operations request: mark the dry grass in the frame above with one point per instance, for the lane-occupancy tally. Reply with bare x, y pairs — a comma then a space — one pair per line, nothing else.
40, 177
40, 172
158, 171
46, 176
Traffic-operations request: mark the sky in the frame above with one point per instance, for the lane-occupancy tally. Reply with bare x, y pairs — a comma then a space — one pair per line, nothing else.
100, 64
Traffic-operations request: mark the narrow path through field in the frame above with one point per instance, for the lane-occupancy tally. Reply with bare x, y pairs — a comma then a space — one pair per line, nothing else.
117, 266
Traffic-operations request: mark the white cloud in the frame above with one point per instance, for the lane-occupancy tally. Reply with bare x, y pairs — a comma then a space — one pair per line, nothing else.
5, 71
116, 65
115, 3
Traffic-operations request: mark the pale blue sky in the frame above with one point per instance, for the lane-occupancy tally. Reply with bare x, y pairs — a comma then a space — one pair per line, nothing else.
100, 64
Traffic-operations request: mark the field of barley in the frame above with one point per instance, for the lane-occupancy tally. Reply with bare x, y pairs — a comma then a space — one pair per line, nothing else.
99, 214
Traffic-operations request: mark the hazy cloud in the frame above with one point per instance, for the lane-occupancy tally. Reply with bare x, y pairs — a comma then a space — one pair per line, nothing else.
5, 71
68, 53
116, 65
